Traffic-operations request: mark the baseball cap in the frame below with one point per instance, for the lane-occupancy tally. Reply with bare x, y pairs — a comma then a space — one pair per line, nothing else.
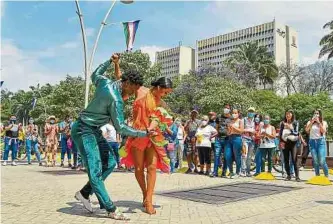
251, 109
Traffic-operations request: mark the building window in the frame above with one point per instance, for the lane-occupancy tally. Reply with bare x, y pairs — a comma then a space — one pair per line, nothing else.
293, 42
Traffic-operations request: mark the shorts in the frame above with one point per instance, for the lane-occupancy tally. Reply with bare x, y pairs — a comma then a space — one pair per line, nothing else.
204, 155
191, 149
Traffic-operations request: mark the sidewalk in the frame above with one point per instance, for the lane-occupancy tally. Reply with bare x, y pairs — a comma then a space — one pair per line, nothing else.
33, 194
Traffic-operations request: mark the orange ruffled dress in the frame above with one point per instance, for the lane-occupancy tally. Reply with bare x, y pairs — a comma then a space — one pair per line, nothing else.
145, 110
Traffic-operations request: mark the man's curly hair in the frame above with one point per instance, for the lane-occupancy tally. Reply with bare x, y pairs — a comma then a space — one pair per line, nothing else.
133, 76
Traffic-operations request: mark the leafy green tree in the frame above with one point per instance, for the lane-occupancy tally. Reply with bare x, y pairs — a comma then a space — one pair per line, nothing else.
255, 57
327, 42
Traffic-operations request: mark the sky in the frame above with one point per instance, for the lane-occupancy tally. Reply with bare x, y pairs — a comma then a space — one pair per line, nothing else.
41, 41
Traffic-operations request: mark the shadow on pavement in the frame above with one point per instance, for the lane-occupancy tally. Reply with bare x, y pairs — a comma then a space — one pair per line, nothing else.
62, 172
76, 208
325, 202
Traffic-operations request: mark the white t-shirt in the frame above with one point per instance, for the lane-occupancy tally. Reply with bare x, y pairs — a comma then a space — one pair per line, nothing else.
180, 133
110, 132
267, 143
315, 130
204, 134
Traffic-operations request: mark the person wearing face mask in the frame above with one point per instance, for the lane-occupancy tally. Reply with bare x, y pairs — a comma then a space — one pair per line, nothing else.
235, 131
64, 128
181, 136
267, 145
51, 133
32, 141
11, 140
191, 128
288, 138
221, 142
204, 136
257, 139
248, 141
317, 129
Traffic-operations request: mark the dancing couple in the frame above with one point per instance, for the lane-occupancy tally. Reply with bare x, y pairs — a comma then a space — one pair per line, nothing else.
145, 146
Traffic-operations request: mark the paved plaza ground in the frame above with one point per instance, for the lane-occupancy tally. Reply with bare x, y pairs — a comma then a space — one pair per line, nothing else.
33, 194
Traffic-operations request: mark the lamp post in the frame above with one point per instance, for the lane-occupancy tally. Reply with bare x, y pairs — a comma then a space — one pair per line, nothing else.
103, 23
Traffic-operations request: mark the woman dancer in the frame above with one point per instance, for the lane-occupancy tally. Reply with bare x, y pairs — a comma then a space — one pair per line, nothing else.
149, 112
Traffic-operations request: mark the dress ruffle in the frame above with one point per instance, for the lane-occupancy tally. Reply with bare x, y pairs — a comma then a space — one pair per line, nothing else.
145, 110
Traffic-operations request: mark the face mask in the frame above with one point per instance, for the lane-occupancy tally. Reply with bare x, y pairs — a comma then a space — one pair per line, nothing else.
204, 123
234, 116
70, 120
266, 121
250, 115
13, 121
52, 121
31, 121
177, 123
226, 111
257, 120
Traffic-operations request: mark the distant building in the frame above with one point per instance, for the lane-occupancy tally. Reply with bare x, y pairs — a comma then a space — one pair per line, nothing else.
176, 61
281, 41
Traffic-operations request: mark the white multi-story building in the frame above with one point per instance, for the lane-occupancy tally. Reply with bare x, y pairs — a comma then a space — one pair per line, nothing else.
281, 41
176, 61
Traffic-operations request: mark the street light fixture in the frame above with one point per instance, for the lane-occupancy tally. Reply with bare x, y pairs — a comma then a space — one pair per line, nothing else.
87, 69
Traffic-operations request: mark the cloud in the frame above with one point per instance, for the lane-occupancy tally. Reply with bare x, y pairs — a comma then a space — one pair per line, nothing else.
21, 69
70, 44
151, 51
90, 32
2, 8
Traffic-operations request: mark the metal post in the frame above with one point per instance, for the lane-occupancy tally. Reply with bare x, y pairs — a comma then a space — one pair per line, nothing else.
99, 34
84, 39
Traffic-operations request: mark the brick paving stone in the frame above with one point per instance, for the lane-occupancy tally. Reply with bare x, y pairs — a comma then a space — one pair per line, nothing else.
33, 194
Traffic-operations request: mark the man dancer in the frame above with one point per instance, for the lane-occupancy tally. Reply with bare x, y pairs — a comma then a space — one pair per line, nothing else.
51, 133
107, 103
11, 140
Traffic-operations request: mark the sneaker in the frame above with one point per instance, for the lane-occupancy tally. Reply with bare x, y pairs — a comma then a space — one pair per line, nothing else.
196, 170
284, 175
248, 175
40, 164
292, 175
86, 202
74, 167
29, 163
207, 173
288, 178
4, 163
188, 171
256, 174
301, 168
14, 163
242, 174
212, 175
117, 215
201, 172
69, 165
62, 164
298, 179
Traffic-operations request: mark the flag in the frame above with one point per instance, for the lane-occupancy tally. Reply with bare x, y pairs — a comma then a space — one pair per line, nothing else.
130, 29
1, 82
34, 102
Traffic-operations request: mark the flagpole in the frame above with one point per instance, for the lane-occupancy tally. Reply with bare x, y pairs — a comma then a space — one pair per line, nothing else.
84, 39
42, 99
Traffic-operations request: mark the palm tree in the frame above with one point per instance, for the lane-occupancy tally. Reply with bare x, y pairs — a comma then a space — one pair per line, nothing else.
255, 58
327, 42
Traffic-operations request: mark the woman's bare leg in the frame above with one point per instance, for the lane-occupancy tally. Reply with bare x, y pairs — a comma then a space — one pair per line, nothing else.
151, 160
138, 158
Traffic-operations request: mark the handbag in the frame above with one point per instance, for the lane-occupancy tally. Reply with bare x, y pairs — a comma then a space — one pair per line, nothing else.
171, 146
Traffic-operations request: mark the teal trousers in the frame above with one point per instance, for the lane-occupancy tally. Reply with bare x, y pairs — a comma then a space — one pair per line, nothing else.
98, 159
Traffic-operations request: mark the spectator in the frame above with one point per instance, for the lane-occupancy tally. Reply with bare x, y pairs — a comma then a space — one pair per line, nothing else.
267, 144
204, 136
317, 128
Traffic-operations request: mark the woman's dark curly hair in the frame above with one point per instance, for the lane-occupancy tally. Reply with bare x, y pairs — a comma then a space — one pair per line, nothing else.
163, 82
132, 76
